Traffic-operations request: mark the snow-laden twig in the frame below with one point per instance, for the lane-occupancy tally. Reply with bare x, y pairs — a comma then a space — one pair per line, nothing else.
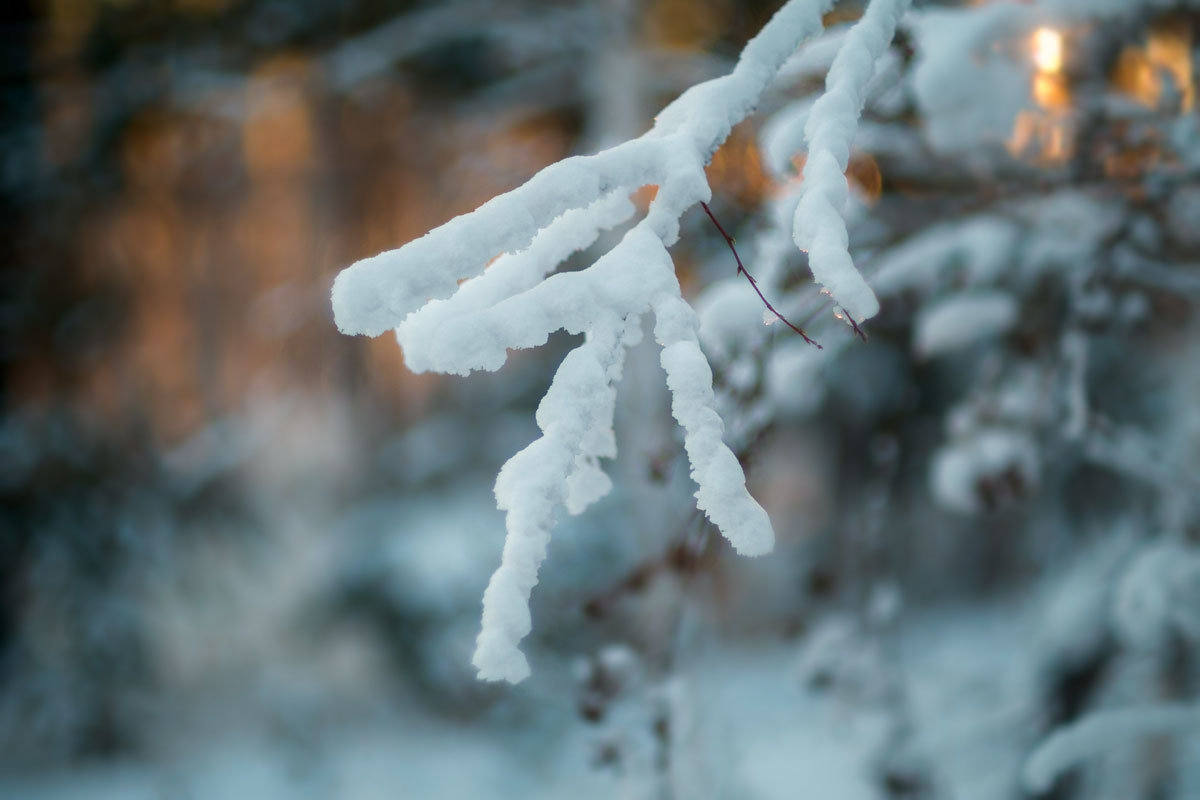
829, 130
1101, 731
453, 316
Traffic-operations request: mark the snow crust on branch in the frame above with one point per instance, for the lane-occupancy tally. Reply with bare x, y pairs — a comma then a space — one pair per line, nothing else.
453, 315
819, 226
377, 293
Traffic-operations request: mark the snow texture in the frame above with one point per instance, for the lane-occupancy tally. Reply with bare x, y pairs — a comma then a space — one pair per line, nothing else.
819, 226
1158, 594
467, 292
1101, 731
959, 50
963, 468
794, 377
974, 251
962, 320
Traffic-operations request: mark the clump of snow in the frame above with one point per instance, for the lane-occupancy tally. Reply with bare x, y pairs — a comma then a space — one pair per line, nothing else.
469, 331
987, 468
975, 251
959, 50
1068, 227
962, 320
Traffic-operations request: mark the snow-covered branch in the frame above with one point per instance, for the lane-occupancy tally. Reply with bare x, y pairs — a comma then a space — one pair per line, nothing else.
377, 293
829, 131
453, 316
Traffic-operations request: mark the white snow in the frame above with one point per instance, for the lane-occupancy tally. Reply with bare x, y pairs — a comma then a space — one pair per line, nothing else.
960, 468
794, 376
1101, 731
974, 251
819, 226
1158, 593
962, 320
722, 494
959, 50
731, 319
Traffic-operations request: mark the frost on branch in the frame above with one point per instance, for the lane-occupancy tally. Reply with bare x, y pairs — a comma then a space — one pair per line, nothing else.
452, 316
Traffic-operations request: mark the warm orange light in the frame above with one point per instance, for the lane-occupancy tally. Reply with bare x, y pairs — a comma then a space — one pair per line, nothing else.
644, 196
1044, 135
864, 173
1169, 49
1143, 72
1050, 91
279, 135
1041, 137
1024, 130
1049, 84
736, 170
1047, 50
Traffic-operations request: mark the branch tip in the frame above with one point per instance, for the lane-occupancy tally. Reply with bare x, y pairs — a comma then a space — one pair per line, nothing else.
857, 330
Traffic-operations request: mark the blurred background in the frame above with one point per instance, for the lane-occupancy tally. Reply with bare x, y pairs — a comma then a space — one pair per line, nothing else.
241, 555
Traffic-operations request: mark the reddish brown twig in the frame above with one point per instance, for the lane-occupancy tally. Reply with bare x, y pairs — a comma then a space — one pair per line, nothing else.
861, 334
754, 284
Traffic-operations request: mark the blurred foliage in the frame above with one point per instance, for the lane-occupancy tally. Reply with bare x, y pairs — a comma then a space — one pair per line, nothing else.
180, 180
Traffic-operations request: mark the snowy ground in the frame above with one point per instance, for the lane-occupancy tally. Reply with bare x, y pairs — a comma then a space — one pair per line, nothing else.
752, 730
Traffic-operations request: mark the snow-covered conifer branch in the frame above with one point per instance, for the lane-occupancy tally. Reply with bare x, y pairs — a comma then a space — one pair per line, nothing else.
452, 316
829, 130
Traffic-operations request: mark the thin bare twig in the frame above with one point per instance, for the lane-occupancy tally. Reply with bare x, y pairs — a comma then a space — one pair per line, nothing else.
754, 284
861, 334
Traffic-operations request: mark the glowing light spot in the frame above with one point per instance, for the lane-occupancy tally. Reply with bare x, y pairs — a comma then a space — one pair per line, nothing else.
1169, 49
1144, 73
1047, 50
1050, 91
1045, 134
